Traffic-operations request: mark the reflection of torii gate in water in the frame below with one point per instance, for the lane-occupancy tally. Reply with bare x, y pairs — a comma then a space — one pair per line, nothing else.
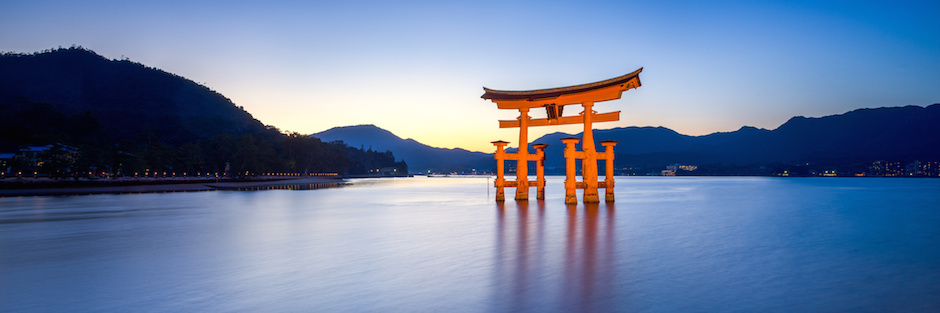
554, 100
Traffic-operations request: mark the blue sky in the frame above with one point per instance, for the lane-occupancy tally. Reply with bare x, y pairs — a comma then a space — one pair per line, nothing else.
417, 68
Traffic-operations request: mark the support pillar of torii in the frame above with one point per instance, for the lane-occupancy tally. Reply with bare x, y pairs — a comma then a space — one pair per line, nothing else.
554, 100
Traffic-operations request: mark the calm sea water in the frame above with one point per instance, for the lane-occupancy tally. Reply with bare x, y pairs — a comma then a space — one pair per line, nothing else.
443, 245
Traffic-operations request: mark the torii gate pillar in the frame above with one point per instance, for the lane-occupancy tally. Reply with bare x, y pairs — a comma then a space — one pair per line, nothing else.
522, 158
589, 164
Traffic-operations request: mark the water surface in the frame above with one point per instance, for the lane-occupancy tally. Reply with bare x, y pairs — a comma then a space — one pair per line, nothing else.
442, 244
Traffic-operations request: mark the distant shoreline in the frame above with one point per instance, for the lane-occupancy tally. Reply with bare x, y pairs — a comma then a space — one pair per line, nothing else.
27, 187
21, 188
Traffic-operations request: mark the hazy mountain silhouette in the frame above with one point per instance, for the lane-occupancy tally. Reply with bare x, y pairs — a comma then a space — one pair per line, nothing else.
864, 135
899, 133
420, 157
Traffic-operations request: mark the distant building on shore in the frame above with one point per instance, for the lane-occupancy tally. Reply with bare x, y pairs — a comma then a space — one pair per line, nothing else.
6, 163
671, 170
52, 159
916, 168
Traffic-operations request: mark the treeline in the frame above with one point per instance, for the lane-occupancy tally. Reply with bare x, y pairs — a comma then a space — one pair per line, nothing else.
73, 146
372, 163
232, 155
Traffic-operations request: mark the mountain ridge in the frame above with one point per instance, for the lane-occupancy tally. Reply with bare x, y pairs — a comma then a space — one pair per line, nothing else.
861, 135
907, 132
127, 98
421, 158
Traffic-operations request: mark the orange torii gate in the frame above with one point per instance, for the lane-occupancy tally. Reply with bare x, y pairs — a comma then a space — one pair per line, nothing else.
554, 100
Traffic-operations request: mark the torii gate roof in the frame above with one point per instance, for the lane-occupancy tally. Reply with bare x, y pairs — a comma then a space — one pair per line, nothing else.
545, 94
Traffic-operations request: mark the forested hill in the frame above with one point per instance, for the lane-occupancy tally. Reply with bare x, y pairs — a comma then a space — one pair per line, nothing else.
80, 93
121, 116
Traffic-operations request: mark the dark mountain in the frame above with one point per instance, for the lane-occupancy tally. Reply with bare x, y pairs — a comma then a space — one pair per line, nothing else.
644, 140
111, 100
884, 133
857, 137
864, 135
419, 157
85, 113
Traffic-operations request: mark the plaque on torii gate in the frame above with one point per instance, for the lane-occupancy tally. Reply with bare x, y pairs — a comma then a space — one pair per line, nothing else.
553, 101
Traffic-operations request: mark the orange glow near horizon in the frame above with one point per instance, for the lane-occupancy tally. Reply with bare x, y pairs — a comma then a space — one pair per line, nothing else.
416, 68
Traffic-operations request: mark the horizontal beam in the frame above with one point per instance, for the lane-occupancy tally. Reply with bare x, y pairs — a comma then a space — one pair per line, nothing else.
606, 94
564, 120
531, 183
515, 156
555, 92
583, 185
598, 155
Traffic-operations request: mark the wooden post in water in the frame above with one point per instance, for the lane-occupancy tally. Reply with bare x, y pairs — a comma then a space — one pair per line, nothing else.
522, 157
540, 170
609, 170
589, 162
500, 181
571, 185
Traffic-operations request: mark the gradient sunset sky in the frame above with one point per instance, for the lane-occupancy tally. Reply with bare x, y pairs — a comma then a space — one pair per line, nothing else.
417, 68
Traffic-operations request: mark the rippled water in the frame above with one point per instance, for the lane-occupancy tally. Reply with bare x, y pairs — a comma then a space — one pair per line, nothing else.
443, 245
